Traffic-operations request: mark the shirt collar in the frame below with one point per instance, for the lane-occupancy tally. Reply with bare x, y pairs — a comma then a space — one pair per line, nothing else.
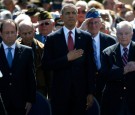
96, 38
121, 47
5, 46
66, 30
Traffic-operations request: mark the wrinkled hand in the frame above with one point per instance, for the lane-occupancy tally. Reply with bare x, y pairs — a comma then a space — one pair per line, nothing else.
130, 67
74, 54
84, 25
28, 107
90, 101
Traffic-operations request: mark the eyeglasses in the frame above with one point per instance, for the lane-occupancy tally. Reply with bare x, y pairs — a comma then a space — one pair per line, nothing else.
45, 24
94, 23
124, 34
83, 12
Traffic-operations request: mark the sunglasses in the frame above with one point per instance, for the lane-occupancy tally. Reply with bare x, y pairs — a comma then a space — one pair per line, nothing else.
45, 24
83, 12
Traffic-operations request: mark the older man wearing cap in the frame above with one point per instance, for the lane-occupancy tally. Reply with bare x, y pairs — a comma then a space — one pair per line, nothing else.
46, 26
100, 41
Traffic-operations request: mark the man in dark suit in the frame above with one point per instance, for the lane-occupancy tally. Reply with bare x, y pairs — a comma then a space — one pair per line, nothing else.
93, 24
72, 64
118, 69
17, 86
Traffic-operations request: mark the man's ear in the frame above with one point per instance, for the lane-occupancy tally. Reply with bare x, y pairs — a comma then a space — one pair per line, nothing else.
61, 17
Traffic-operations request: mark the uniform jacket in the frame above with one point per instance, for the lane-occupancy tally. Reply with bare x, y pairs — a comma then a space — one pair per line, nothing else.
37, 48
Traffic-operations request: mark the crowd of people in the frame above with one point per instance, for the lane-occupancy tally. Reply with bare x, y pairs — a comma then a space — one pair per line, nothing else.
72, 52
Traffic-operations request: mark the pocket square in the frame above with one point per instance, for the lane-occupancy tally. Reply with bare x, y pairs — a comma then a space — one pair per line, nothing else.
115, 67
1, 75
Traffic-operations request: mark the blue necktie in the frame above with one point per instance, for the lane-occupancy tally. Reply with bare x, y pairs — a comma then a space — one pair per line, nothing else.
9, 57
95, 53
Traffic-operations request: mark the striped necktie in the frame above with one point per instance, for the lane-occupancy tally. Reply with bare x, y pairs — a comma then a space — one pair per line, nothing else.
125, 56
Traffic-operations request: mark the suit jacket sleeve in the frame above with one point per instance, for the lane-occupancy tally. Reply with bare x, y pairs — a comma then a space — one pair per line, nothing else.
31, 82
91, 66
110, 70
51, 62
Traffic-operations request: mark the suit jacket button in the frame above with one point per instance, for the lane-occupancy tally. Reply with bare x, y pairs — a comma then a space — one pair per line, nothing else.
10, 74
10, 84
124, 88
96, 73
121, 98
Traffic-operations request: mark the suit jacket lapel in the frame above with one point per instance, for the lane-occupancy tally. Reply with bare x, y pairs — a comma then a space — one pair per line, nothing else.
131, 56
62, 40
102, 42
117, 56
3, 59
78, 38
18, 50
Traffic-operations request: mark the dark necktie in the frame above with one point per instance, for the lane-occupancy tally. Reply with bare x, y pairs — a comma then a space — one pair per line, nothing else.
9, 57
70, 42
125, 56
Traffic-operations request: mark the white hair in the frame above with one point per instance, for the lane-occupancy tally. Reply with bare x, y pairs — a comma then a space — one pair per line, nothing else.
22, 17
81, 3
123, 24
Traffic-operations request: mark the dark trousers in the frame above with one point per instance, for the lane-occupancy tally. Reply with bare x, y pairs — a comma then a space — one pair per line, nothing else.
12, 111
124, 110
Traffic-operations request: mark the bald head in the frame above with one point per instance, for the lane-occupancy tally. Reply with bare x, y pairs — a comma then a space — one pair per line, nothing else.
24, 24
26, 31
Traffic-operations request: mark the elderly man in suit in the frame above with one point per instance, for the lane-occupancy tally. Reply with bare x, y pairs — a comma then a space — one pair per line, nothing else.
69, 53
118, 69
17, 85
93, 24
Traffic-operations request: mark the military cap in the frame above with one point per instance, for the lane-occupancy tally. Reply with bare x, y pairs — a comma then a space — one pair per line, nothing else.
45, 15
32, 12
93, 13
35, 1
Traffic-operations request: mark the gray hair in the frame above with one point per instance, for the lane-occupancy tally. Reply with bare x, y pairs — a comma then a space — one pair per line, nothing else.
123, 24
81, 3
22, 17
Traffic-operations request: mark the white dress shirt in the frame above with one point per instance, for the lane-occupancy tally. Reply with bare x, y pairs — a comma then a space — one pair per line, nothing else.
6, 49
66, 33
121, 49
97, 40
